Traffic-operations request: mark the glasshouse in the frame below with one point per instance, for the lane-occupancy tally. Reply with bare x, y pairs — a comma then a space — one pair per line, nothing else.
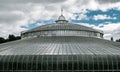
60, 47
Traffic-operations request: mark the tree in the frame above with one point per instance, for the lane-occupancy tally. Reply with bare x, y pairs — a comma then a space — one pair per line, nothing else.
11, 38
2, 40
18, 37
111, 38
118, 40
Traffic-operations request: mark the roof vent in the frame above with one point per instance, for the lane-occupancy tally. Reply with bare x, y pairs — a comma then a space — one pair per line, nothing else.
61, 19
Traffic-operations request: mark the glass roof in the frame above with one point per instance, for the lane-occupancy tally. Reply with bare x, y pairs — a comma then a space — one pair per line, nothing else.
60, 46
63, 27
60, 54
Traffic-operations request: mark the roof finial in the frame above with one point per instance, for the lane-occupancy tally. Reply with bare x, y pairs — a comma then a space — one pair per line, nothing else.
61, 11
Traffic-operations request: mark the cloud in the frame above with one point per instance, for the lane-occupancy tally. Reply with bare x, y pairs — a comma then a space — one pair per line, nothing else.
103, 5
11, 17
10, 29
31, 1
110, 30
107, 1
103, 17
79, 16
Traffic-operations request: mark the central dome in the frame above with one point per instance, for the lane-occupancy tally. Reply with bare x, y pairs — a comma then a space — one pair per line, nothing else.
62, 28
61, 20
61, 17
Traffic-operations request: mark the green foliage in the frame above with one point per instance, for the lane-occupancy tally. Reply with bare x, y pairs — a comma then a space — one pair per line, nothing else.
2, 40
118, 40
10, 38
111, 38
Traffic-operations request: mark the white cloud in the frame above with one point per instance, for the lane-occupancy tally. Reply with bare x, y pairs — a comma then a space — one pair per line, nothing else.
102, 17
79, 16
110, 30
107, 1
31, 1
10, 29
103, 5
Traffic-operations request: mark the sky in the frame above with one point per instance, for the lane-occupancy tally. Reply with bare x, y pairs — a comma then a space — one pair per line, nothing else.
21, 15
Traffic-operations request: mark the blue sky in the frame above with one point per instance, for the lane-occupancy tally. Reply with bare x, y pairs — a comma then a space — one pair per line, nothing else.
20, 15
112, 13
